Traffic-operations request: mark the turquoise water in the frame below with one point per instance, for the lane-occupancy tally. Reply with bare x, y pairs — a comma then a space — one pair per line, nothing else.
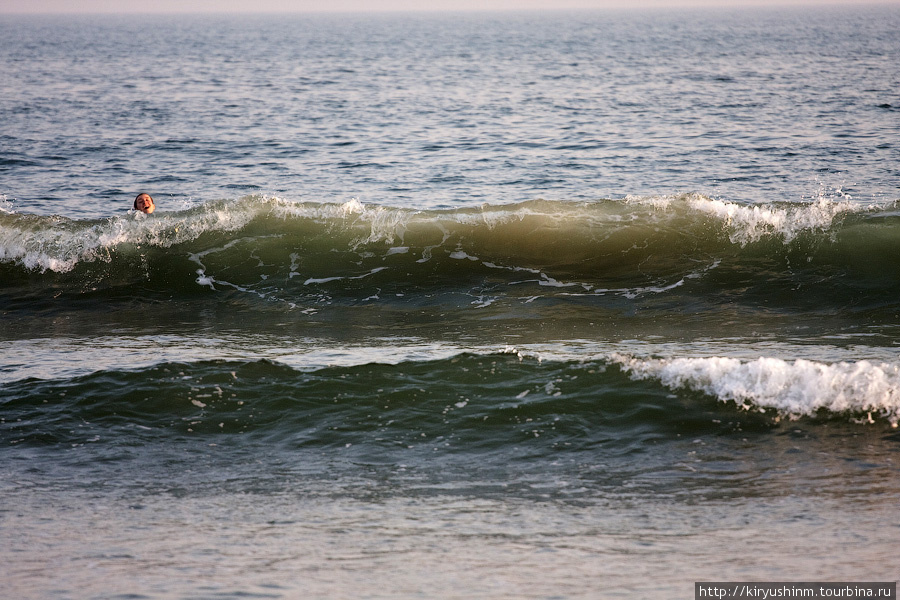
506, 305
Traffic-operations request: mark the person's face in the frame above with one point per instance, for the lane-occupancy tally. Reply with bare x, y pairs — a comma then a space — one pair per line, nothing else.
145, 204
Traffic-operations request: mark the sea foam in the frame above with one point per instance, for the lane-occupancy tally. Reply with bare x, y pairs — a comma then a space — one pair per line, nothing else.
793, 388
748, 223
59, 244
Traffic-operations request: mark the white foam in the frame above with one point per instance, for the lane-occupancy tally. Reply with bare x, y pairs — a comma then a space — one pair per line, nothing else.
794, 388
312, 281
59, 244
380, 224
751, 223
747, 223
352, 207
460, 255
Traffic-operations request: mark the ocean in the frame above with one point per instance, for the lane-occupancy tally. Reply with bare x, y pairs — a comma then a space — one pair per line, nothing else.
449, 305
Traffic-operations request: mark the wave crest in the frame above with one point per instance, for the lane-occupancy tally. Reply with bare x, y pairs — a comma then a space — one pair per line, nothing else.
793, 388
691, 250
529, 229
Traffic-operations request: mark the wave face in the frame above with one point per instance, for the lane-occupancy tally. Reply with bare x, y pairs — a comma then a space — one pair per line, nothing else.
469, 402
825, 255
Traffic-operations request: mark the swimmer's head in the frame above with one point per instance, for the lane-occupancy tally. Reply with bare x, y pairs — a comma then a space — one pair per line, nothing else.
144, 203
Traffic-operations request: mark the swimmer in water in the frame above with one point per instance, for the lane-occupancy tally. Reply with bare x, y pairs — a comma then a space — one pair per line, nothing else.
144, 203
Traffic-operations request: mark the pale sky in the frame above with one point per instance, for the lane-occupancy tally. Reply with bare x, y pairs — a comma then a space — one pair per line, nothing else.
182, 6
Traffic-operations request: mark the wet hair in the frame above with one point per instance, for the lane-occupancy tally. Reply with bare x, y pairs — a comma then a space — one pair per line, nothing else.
138, 196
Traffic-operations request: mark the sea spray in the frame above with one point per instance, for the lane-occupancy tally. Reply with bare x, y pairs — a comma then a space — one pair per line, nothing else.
793, 388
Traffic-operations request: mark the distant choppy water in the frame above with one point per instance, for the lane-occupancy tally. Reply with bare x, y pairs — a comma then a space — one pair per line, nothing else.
527, 306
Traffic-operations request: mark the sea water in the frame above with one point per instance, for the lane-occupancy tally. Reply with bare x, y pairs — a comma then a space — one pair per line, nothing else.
507, 305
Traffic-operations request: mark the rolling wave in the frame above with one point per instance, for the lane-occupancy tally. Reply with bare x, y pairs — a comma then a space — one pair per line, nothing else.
825, 251
473, 401
535, 230
579, 237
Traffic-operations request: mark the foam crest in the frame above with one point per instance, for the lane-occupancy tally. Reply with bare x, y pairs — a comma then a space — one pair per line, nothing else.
59, 244
374, 223
750, 223
793, 388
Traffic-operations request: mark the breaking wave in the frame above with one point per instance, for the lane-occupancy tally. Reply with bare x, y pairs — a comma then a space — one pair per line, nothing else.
470, 401
540, 231
586, 242
793, 388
